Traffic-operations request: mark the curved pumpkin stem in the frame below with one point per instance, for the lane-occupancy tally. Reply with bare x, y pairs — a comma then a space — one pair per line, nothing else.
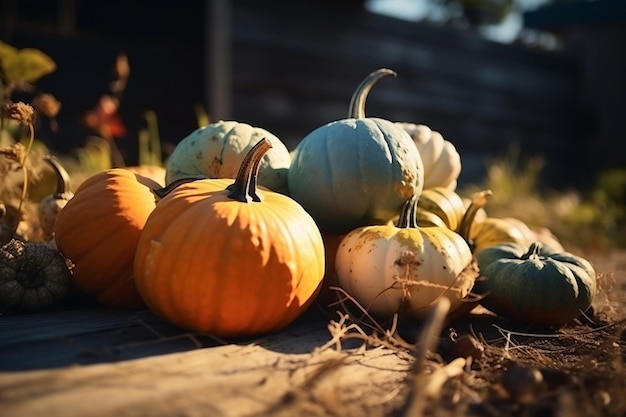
164, 191
479, 200
357, 103
63, 178
408, 215
244, 187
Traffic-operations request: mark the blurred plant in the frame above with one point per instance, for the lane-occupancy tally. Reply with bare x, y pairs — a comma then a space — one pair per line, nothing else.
18, 153
104, 118
19, 70
201, 115
15, 158
600, 217
150, 141
94, 156
511, 176
593, 219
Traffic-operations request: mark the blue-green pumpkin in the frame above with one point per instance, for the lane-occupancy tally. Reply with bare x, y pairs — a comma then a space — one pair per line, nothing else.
535, 284
356, 171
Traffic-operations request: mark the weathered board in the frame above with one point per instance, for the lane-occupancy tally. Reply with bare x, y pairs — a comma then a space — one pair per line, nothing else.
100, 362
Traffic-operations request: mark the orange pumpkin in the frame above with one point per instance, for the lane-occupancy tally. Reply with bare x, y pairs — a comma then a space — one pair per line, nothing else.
229, 258
98, 230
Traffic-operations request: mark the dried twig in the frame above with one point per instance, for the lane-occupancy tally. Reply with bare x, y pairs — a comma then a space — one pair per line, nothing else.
426, 387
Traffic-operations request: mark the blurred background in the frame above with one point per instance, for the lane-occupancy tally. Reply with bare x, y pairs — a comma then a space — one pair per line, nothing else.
544, 77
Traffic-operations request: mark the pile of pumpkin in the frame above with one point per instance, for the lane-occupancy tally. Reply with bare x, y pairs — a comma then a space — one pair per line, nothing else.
242, 235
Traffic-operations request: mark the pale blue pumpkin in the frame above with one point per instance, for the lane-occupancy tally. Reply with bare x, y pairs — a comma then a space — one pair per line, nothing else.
357, 171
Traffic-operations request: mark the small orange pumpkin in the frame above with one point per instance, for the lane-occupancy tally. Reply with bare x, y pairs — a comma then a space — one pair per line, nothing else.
229, 258
98, 230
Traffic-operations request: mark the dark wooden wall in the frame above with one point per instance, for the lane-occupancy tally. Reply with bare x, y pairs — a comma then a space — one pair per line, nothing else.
294, 71
294, 65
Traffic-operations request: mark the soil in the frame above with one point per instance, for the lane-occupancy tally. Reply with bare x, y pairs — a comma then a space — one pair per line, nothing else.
515, 369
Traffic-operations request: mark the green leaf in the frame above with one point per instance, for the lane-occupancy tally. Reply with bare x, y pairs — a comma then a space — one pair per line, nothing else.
6, 51
24, 65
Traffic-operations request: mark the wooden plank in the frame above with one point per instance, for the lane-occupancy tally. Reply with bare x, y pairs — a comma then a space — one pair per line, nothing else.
30, 328
93, 335
264, 376
85, 336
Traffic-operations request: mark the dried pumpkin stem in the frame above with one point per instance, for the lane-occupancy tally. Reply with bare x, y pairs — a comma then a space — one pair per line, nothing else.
63, 178
479, 200
357, 102
244, 187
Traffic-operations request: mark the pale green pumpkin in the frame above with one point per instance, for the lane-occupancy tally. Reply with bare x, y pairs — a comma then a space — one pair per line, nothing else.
356, 171
218, 149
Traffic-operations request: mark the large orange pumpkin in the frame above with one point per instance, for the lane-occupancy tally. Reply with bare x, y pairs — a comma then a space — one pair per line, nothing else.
229, 258
98, 230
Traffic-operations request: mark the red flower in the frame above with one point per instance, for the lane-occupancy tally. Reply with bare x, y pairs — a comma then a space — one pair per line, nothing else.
105, 119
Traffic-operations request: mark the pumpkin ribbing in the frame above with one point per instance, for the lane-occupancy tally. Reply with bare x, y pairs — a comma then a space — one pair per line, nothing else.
405, 268
355, 171
231, 259
98, 231
534, 283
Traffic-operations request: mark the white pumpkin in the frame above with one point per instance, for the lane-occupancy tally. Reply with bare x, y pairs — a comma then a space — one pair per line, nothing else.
404, 269
442, 162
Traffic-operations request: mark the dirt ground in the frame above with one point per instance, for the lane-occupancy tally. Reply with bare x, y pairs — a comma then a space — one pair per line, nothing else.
486, 366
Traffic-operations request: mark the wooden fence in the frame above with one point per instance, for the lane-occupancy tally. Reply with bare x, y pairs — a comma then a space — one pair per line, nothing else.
292, 66
293, 71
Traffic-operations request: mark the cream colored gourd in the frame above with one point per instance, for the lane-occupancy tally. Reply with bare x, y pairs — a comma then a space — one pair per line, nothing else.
442, 162
49, 207
445, 204
403, 269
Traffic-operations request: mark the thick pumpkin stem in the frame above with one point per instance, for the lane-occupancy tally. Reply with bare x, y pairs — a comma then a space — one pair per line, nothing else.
408, 215
357, 103
63, 178
479, 200
244, 187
